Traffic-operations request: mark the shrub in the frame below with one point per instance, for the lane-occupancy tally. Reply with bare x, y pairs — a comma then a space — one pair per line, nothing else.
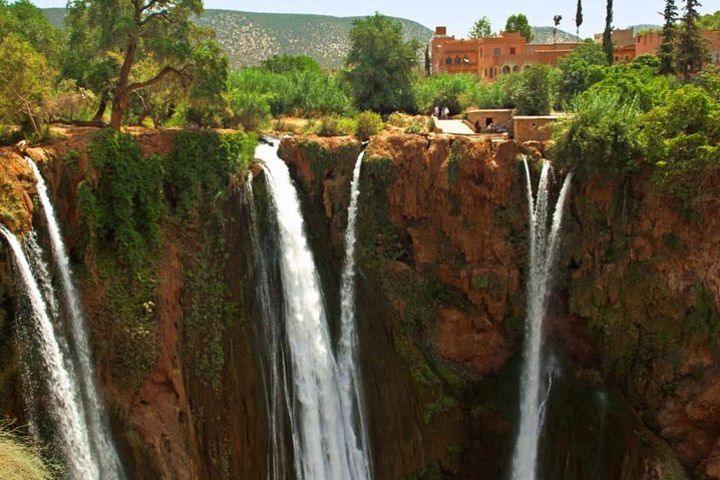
533, 90
633, 83
368, 124
333, 126
600, 139
584, 67
250, 110
445, 90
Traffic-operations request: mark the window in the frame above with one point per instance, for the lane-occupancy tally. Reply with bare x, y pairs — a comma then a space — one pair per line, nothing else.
458, 60
448, 61
513, 51
497, 52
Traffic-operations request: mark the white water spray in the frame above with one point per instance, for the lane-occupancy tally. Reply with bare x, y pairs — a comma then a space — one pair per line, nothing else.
323, 451
99, 433
65, 400
543, 249
351, 394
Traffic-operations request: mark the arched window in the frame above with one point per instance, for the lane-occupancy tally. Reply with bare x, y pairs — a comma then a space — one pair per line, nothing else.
516, 68
506, 70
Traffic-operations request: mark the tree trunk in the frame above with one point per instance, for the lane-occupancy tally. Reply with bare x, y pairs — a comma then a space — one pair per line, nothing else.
120, 99
101, 108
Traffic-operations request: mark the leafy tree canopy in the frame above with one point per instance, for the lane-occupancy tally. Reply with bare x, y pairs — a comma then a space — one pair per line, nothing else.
290, 63
481, 28
519, 23
380, 65
711, 21
24, 19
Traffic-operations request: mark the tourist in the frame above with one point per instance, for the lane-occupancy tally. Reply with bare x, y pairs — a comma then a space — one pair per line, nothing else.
436, 112
446, 112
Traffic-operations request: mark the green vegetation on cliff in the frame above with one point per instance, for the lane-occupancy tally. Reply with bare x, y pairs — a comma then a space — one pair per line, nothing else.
126, 203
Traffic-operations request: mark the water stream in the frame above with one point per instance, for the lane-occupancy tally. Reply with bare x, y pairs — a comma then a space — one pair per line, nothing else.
543, 252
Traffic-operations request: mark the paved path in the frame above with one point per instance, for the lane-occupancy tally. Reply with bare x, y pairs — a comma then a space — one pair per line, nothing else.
454, 127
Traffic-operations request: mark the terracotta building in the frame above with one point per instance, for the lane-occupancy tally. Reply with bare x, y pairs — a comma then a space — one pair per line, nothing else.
490, 57
649, 43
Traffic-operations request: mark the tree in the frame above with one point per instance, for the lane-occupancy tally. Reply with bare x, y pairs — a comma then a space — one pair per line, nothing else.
519, 23
26, 84
692, 51
428, 63
711, 21
532, 93
290, 63
161, 30
482, 28
30, 23
578, 18
380, 65
584, 67
669, 34
608, 45
556, 22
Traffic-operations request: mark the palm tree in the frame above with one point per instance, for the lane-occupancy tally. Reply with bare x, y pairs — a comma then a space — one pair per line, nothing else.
557, 19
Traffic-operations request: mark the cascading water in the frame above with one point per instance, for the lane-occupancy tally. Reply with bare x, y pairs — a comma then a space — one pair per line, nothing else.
65, 401
543, 249
97, 423
348, 366
99, 433
273, 361
324, 451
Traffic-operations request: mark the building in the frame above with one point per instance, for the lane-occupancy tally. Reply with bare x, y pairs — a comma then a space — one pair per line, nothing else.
491, 57
649, 43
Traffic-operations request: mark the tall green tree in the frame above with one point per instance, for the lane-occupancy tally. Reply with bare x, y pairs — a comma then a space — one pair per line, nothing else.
482, 28
711, 21
26, 83
608, 45
519, 23
666, 52
692, 50
30, 23
578, 17
135, 30
380, 65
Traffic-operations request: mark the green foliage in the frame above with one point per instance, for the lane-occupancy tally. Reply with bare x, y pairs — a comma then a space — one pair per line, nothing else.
710, 21
460, 91
607, 44
533, 90
439, 407
26, 82
432, 472
703, 317
669, 34
250, 110
579, 70
121, 212
290, 63
681, 137
481, 28
368, 124
634, 83
308, 92
380, 65
691, 51
28, 22
332, 126
519, 23
200, 172
600, 139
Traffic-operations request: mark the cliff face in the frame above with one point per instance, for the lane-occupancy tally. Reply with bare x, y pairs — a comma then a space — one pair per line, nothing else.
443, 255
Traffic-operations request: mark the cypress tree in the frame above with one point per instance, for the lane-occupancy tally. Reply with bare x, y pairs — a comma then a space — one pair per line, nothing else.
692, 51
669, 34
607, 35
427, 61
578, 17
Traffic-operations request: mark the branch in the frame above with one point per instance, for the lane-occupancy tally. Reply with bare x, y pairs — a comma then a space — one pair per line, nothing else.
157, 78
160, 14
149, 5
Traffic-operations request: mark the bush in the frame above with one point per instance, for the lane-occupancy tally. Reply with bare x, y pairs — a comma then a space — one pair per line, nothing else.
250, 110
585, 66
445, 90
532, 91
368, 124
332, 126
633, 83
600, 139
681, 136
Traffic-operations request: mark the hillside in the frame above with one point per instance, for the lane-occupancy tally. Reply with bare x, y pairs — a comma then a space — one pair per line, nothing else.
545, 35
249, 38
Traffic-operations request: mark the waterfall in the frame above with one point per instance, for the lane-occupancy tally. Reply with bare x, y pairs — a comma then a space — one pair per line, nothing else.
348, 366
99, 432
273, 361
323, 450
543, 249
65, 401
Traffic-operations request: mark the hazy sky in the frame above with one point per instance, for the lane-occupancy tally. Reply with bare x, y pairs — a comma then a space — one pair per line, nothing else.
459, 15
